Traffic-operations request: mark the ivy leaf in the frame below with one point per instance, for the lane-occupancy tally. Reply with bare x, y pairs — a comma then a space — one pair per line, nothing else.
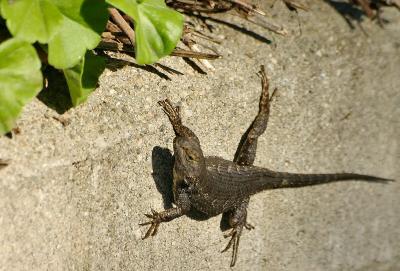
157, 27
82, 79
82, 23
70, 27
20, 79
31, 20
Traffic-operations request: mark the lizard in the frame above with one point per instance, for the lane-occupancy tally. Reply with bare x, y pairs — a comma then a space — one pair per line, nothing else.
213, 185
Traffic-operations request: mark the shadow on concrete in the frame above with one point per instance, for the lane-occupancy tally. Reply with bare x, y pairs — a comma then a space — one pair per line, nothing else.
194, 65
235, 27
114, 64
56, 94
163, 163
350, 12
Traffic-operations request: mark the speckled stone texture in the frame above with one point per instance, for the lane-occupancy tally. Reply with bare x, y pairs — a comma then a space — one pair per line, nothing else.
73, 196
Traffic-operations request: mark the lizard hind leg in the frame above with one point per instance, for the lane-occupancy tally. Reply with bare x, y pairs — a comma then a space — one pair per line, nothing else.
235, 234
238, 221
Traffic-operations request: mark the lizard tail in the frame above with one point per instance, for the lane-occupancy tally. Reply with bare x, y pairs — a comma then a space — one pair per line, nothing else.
287, 180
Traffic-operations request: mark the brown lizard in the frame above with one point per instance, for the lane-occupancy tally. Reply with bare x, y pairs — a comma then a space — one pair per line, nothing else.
213, 185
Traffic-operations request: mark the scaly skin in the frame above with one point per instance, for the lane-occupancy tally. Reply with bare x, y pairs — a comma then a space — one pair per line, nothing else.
213, 185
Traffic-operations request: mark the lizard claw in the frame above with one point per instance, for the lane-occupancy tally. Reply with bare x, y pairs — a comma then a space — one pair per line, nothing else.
235, 238
235, 234
229, 234
154, 224
248, 226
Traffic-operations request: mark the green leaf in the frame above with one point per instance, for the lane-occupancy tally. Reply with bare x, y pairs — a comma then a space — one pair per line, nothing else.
70, 27
20, 79
157, 27
82, 79
83, 22
31, 20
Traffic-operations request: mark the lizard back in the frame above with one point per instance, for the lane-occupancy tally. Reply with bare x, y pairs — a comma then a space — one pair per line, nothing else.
226, 184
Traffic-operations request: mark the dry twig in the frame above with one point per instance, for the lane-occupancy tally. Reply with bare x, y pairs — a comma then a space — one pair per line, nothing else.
245, 10
124, 25
4, 163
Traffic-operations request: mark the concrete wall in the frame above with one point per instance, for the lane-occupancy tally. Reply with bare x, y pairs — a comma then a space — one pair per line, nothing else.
73, 196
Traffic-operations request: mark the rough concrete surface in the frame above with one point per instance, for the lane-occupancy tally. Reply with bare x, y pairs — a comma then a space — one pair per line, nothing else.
73, 196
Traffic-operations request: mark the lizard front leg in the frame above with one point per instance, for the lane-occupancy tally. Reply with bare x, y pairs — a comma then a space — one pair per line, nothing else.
245, 155
246, 150
182, 207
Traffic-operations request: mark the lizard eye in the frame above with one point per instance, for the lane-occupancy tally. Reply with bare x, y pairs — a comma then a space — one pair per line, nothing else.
191, 157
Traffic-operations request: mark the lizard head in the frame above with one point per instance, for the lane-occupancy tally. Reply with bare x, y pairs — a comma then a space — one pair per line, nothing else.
189, 158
